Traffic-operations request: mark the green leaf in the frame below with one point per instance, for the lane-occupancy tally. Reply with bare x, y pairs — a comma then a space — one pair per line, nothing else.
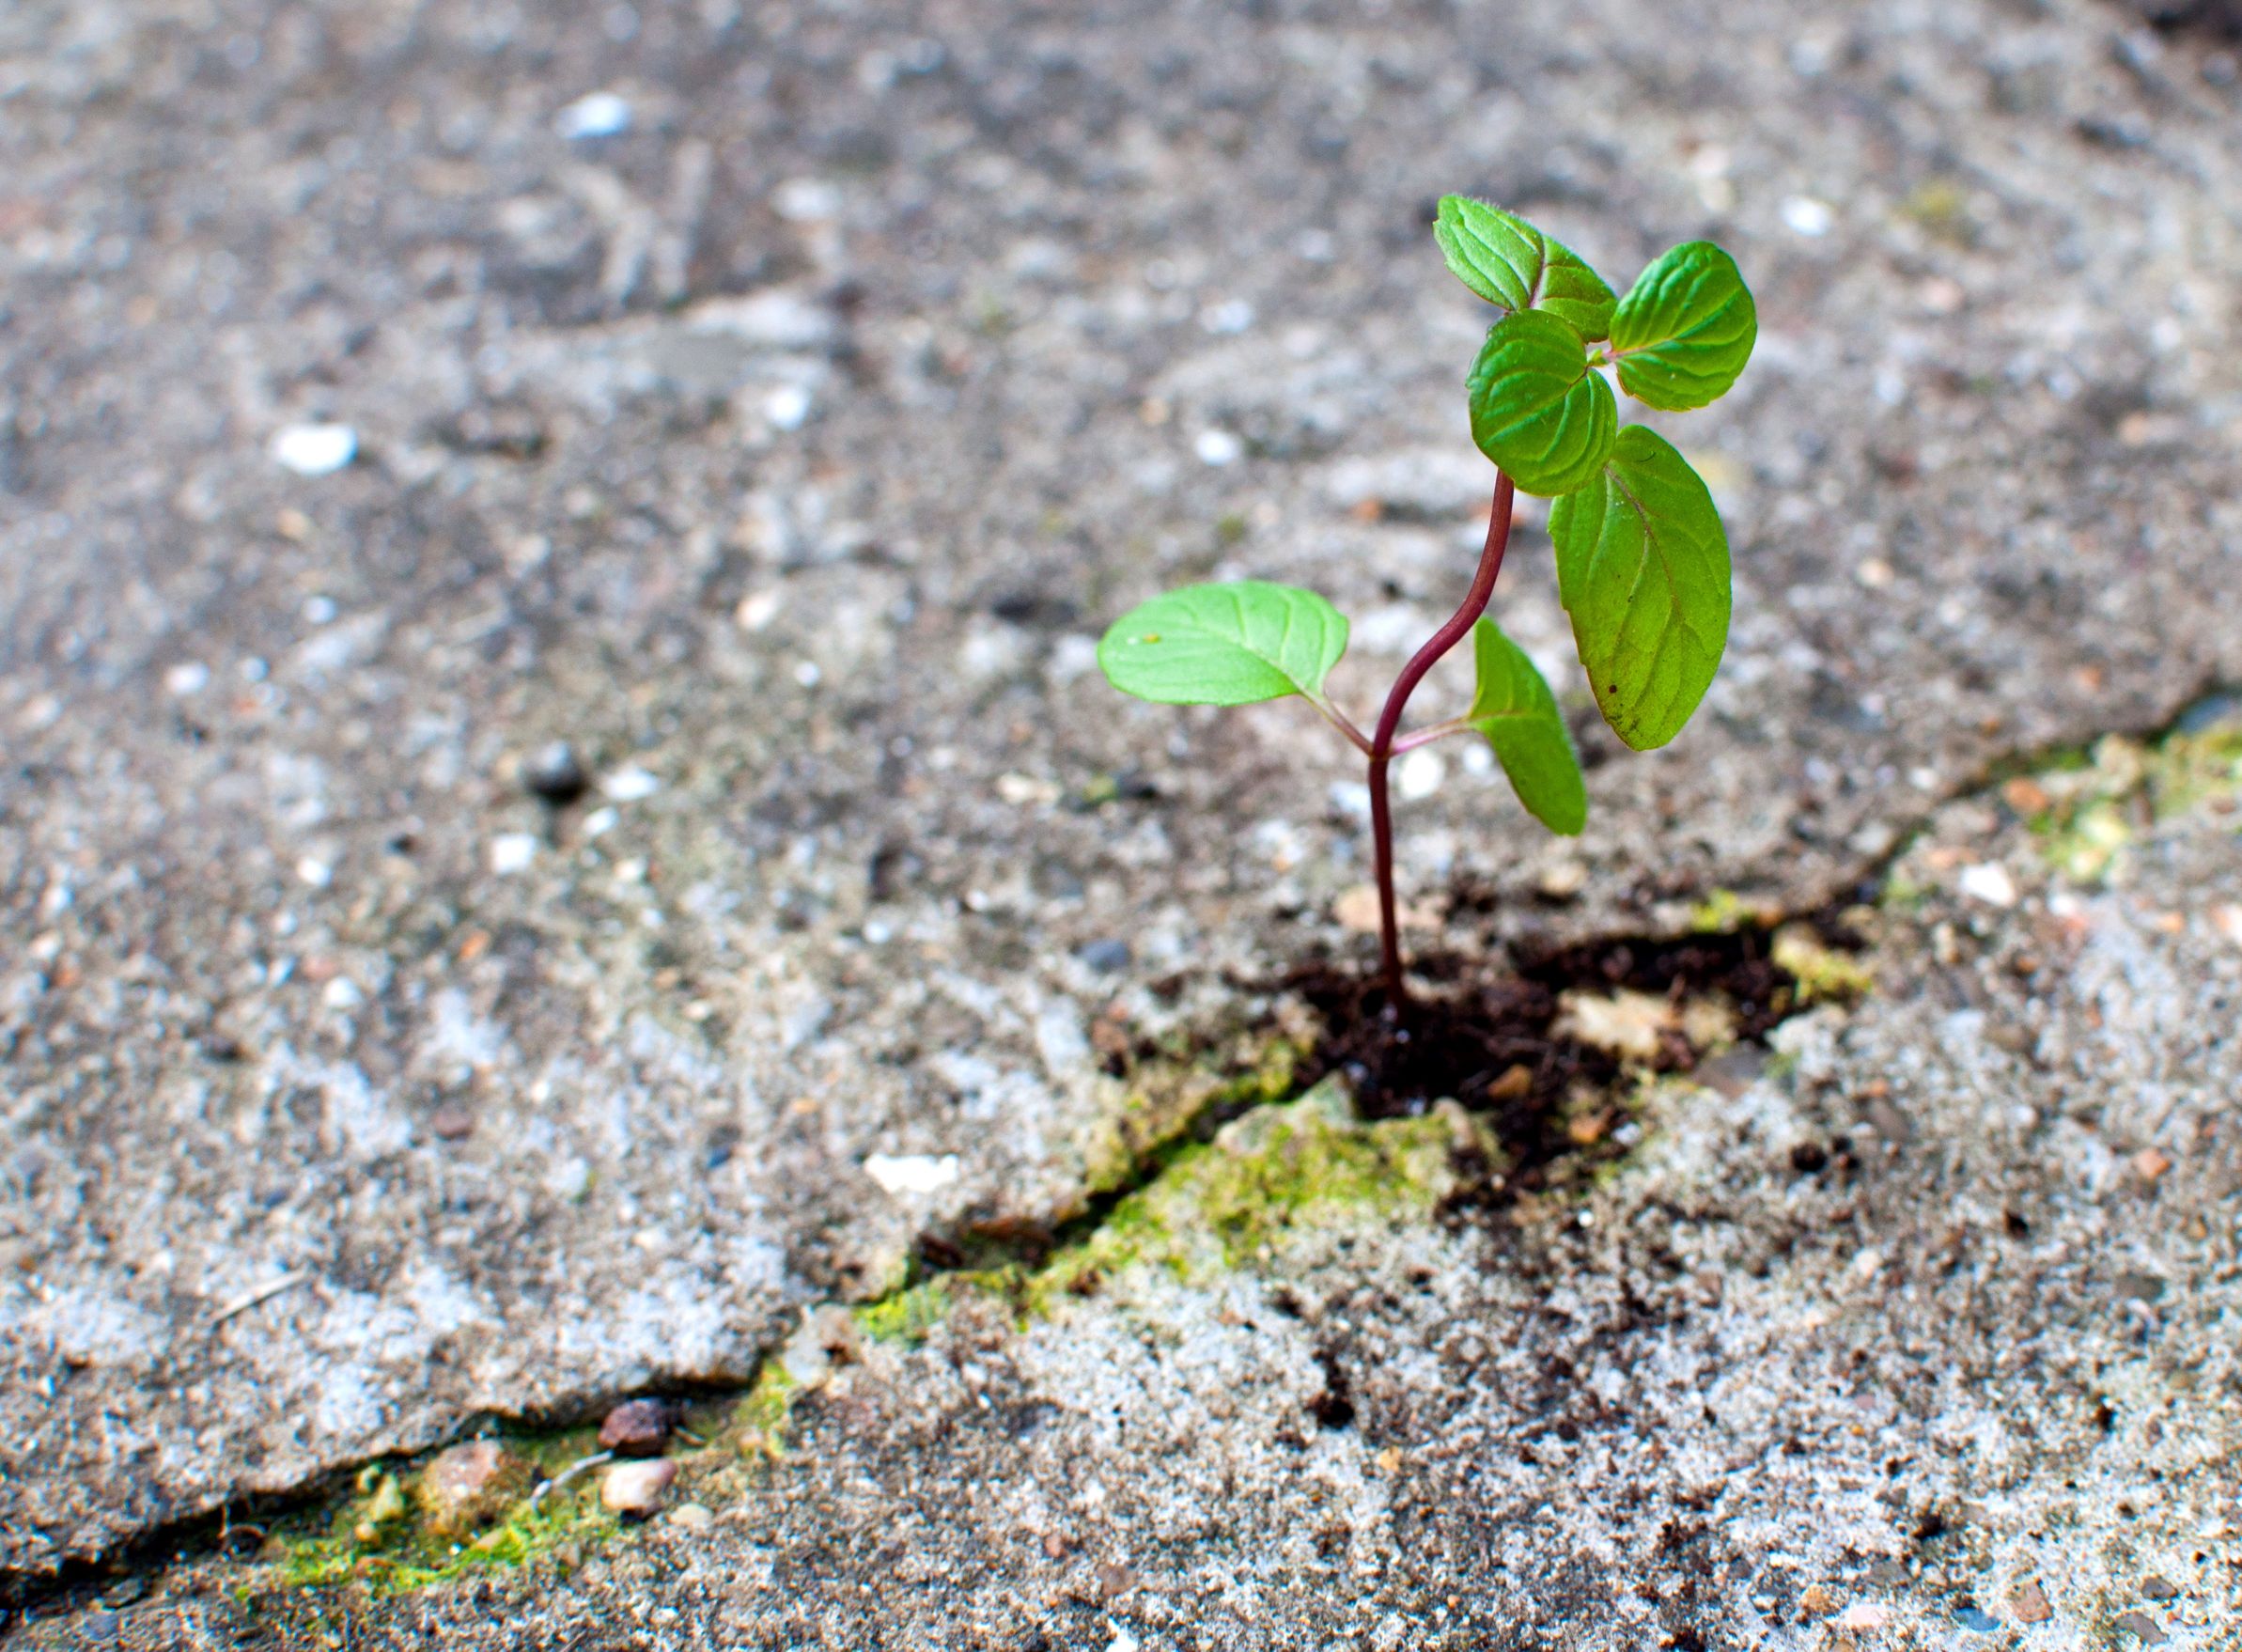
1227, 645
1507, 261
1514, 709
1538, 409
1642, 569
1685, 329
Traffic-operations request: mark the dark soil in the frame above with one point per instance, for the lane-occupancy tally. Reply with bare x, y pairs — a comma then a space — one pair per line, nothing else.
1490, 1041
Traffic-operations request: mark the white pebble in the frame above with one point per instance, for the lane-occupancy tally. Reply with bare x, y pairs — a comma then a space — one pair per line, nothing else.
511, 852
911, 1173
808, 673
316, 872
627, 786
806, 200
1232, 316
787, 407
1419, 775
187, 678
1990, 883
598, 115
1806, 216
315, 450
756, 610
637, 1488
1219, 448
599, 823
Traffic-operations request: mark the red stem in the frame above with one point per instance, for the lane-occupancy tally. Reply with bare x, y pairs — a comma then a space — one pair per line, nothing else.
1389, 722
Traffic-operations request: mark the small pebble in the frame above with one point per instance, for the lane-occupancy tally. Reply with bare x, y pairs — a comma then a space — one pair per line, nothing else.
2029, 1604
511, 852
635, 1488
628, 786
1562, 880
693, 1517
1864, 1615
787, 407
597, 116
2156, 1588
637, 1428
1219, 448
912, 1172
1419, 774
452, 1122
1806, 216
315, 450
2150, 1632
1105, 957
470, 1486
1990, 883
553, 773
1978, 1622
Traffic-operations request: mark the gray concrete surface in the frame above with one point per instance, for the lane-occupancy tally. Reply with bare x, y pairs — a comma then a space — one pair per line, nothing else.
784, 452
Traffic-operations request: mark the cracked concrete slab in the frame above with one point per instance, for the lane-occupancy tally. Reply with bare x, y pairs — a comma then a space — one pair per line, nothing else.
1919, 1334
783, 451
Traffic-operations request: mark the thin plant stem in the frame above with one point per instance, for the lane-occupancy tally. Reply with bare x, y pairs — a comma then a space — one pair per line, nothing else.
1389, 722
1342, 722
1425, 736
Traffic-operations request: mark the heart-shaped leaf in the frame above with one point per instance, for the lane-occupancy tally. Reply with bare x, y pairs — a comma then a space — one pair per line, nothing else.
1226, 644
1685, 329
1507, 261
1642, 569
1514, 709
1537, 409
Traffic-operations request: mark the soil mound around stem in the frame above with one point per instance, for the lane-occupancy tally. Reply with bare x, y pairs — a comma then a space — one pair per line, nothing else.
1510, 1047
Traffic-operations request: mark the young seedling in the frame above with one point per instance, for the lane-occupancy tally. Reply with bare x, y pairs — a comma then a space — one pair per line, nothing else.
1641, 557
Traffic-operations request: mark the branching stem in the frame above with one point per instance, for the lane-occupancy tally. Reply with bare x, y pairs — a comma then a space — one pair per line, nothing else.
1342, 722
1382, 746
1425, 736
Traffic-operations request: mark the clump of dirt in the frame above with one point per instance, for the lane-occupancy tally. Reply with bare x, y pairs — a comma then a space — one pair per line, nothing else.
1504, 1045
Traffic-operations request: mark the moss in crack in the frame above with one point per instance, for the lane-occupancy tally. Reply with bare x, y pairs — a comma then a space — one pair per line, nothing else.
2086, 806
374, 1537
1820, 973
1168, 1092
1724, 911
1273, 1172
758, 1424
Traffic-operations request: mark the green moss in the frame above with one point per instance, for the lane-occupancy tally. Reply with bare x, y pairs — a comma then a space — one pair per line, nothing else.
1278, 1170
905, 1316
2087, 813
759, 1425
1719, 914
1169, 1093
372, 1538
1824, 975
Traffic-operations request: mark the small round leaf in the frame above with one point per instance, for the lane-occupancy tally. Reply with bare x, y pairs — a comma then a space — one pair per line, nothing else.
1224, 645
1537, 409
1685, 329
